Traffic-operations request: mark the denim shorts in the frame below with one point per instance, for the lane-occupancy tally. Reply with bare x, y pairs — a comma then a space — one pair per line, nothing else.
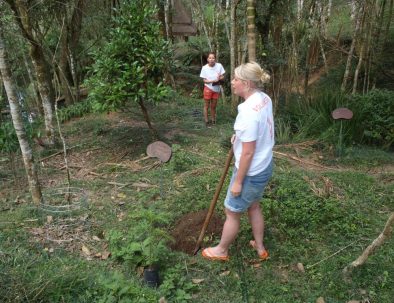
252, 190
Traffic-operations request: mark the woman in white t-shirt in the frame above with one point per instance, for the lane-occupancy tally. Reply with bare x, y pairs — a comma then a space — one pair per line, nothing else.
211, 73
252, 145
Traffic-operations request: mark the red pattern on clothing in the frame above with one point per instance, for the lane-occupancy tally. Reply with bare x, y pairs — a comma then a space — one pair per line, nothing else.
261, 105
210, 94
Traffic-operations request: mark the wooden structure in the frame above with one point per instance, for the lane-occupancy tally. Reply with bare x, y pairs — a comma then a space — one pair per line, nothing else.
182, 23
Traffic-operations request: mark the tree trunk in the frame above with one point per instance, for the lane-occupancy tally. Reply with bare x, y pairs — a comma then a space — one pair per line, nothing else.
168, 19
380, 39
216, 30
357, 21
69, 39
323, 54
227, 21
76, 27
233, 45
16, 115
300, 5
324, 11
250, 11
40, 64
46, 90
63, 63
37, 98
365, 25
147, 118
311, 60
161, 16
263, 22
387, 31
200, 12
277, 70
368, 54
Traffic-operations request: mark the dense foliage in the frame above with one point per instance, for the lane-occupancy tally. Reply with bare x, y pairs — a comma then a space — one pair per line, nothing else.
372, 122
8, 139
375, 113
130, 66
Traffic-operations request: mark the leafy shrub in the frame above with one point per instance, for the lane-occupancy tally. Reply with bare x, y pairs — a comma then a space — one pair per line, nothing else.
8, 139
312, 117
144, 243
375, 112
130, 66
117, 288
176, 286
282, 131
181, 160
75, 110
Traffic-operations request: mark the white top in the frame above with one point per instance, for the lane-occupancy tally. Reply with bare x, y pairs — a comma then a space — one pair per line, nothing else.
255, 122
211, 74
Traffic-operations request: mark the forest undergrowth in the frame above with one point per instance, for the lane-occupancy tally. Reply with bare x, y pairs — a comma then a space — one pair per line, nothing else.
322, 210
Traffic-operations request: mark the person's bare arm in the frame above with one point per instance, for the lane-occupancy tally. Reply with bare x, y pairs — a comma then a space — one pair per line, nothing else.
248, 149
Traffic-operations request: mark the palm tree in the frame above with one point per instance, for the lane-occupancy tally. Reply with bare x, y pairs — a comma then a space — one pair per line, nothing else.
250, 11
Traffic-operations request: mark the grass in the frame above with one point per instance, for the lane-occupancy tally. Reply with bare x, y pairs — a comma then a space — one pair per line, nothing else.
324, 232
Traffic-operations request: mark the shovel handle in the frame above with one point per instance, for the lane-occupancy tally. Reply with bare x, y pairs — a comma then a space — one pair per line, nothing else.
214, 200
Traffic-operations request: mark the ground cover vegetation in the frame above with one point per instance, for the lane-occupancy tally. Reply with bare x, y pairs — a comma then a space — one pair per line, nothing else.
108, 211
311, 213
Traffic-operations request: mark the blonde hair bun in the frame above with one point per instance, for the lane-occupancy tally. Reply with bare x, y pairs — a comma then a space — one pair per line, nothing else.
253, 72
265, 77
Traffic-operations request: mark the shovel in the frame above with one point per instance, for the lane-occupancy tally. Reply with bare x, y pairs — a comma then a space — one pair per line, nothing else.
214, 200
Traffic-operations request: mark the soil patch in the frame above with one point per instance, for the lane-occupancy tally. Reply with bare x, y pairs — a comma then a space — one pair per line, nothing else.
187, 230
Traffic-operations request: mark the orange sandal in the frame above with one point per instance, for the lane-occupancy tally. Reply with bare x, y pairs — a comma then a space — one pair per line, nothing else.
264, 255
207, 254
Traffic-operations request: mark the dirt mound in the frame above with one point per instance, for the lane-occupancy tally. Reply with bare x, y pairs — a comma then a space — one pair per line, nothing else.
187, 230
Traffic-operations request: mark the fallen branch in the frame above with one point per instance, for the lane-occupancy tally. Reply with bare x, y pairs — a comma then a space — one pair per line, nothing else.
94, 174
388, 228
19, 222
130, 165
148, 167
92, 149
301, 160
330, 256
123, 155
59, 241
195, 172
71, 166
58, 153
301, 144
141, 159
204, 156
135, 184
118, 184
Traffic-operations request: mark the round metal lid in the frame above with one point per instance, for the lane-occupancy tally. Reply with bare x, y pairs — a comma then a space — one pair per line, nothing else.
159, 149
342, 113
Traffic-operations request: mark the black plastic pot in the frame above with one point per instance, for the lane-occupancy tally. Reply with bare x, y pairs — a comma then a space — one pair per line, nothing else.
151, 276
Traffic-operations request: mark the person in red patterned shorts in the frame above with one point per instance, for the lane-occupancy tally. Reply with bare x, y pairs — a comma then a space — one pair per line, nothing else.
211, 73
